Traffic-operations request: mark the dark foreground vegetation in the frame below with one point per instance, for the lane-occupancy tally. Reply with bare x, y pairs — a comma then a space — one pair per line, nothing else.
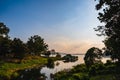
98, 71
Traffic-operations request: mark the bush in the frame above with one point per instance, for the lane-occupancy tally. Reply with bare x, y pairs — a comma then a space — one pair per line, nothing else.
50, 63
97, 69
80, 76
80, 68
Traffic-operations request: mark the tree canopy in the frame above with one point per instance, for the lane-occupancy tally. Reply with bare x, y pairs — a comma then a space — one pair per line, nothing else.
37, 45
5, 46
18, 48
92, 56
4, 30
110, 16
4, 40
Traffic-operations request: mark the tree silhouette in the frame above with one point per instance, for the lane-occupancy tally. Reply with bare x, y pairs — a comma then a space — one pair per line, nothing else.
18, 48
5, 47
111, 29
3, 30
4, 40
92, 56
37, 45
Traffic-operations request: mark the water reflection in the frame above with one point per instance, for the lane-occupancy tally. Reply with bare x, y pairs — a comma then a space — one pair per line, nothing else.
49, 69
50, 63
62, 65
30, 74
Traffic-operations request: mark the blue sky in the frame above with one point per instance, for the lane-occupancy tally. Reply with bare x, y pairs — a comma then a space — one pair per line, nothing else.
66, 25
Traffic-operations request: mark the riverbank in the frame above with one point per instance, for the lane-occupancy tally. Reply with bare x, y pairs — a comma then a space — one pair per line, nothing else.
98, 71
10, 68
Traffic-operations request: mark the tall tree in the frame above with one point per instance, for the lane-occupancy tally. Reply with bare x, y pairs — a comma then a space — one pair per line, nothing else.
4, 40
37, 45
4, 30
110, 16
5, 47
92, 56
18, 48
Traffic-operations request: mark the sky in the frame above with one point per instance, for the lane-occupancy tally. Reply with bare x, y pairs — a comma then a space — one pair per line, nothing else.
66, 25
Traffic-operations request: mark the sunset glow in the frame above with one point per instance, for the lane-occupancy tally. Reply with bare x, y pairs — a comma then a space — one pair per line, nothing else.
66, 25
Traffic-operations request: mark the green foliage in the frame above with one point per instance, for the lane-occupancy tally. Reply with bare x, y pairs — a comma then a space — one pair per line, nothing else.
37, 45
79, 72
103, 77
80, 76
79, 68
74, 76
29, 74
96, 69
68, 76
103, 69
8, 69
92, 56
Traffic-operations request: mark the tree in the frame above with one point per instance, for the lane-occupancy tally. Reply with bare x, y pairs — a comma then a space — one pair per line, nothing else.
37, 45
4, 40
50, 63
92, 56
110, 16
4, 46
3, 30
18, 48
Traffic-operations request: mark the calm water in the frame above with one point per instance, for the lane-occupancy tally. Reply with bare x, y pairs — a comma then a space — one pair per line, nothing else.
34, 74
62, 66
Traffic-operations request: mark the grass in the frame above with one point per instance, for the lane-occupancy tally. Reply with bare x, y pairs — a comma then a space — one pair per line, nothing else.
8, 68
103, 77
80, 72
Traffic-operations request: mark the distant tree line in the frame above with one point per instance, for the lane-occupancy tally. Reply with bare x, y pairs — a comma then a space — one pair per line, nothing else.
17, 48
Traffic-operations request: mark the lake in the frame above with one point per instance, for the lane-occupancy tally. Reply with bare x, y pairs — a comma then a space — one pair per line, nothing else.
60, 65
